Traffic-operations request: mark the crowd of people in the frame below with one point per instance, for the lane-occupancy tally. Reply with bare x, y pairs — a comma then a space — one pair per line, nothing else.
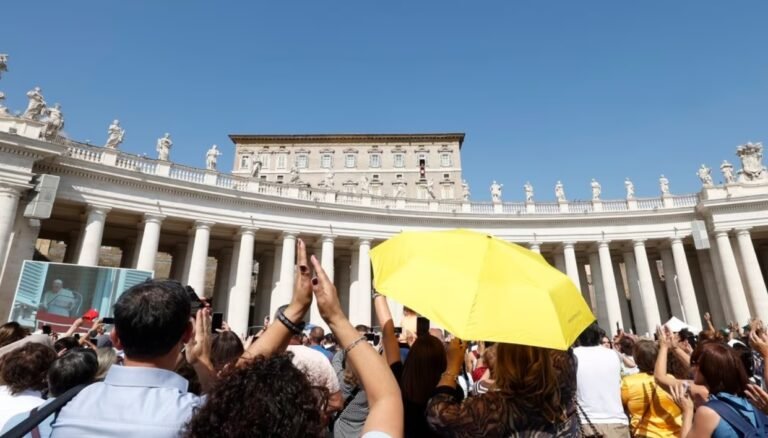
161, 371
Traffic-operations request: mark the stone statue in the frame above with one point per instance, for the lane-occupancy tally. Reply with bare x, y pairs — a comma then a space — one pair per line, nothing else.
365, 185
328, 179
496, 192
212, 157
294, 173
752, 169
664, 185
465, 190
630, 186
3, 64
115, 135
255, 166
398, 191
36, 105
727, 169
597, 189
705, 175
429, 188
560, 192
163, 147
54, 122
528, 191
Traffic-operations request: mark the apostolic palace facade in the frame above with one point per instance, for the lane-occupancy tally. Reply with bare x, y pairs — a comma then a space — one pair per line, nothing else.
638, 261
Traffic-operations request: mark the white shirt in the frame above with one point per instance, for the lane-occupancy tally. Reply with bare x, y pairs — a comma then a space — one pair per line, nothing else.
598, 385
11, 405
316, 366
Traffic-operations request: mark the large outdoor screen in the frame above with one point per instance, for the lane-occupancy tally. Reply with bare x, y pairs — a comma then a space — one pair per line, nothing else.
56, 293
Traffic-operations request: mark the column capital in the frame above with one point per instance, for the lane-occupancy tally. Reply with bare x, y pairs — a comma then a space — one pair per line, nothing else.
568, 244
98, 209
638, 242
364, 241
289, 235
247, 230
154, 217
720, 233
203, 225
676, 240
534, 245
10, 190
603, 243
743, 231
328, 238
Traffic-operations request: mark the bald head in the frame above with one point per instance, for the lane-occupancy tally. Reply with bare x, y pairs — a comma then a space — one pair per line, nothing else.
316, 335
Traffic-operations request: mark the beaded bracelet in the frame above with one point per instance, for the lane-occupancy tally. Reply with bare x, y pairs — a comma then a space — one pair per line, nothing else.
293, 328
354, 344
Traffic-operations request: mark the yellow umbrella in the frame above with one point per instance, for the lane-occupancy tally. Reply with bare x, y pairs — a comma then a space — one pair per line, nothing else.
479, 287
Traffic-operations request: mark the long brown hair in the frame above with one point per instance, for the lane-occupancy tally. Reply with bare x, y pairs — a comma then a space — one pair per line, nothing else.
422, 369
721, 369
527, 379
11, 332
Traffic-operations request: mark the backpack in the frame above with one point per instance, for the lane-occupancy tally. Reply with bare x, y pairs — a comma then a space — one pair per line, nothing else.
738, 421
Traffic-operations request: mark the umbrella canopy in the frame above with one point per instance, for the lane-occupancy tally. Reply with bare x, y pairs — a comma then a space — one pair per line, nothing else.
479, 287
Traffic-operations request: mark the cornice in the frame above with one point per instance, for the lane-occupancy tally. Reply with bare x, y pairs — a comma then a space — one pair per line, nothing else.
345, 138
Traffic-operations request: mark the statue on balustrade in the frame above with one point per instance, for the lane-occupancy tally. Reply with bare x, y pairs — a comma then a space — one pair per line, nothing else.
630, 186
328, 179
212, 157
465, 190
752, 169
560, 192
496, 191
365, 185
294, 176
664, 185
398, 191
3, 68
429, 187
705, 175
115, 135
255, 166
164, 147
36, 105
54, 122
727, 169
528, 191
597, 189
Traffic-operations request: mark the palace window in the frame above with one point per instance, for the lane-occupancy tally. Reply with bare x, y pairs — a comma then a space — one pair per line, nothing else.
326, 161
420, 158
399, 160
263, 177
279, 179
302, 161
350, 160
446, 176
399, 176
375, 177
244, 162
374, 160
282, 160
445, 160
264, 158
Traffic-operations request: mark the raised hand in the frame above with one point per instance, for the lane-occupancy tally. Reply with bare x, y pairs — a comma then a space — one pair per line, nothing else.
302, 284
759, 342
758, 397
198, 349
681, 395
325, 294
664, 340
455, 355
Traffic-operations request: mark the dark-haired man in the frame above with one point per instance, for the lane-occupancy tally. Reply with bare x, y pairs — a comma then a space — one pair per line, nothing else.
145, 398
316, 337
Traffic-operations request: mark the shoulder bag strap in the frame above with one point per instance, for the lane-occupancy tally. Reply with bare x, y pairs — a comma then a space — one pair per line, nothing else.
347, 401
41, 414
732, 417
633, 430
589, 422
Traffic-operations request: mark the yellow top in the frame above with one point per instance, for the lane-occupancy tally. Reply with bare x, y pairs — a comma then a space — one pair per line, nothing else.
652, 411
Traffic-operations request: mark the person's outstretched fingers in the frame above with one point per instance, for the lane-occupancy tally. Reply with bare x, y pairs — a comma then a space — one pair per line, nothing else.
301, 257
320, 272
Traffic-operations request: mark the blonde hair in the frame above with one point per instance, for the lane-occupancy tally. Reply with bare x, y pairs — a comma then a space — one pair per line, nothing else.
107, 357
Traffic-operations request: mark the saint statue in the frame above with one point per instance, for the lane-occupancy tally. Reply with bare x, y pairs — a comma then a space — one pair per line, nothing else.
212, 157
727, 169
429, 187
496, 191
705, 175
399, 191
664, 185
115, 135
528, 191
328, 179
54, 122
596, 190
465, 190
630, 186
294, 173
3, 63
560, 192
163, 147
365, 185
36, 105
255, 166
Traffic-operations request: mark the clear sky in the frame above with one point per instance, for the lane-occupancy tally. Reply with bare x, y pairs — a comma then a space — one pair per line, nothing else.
544, 90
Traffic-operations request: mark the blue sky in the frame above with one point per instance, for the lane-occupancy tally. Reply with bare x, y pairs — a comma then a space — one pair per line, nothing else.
544, 90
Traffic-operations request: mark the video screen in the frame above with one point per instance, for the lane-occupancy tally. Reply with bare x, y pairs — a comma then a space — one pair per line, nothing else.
56, 294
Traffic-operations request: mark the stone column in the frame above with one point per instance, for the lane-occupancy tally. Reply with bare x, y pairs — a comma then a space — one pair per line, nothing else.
673, 293
571, 267
150, 239
9, 202
600, 305
584, 283
326, 260
756, 285
287, 268
222, 284
21, 248
535, 247
685, 284
648, 294
275, 299
240, 296
609, 286
360, 302
626, 315
94, 230
199, 262
636, 300
660, 289
722, 290
735, 289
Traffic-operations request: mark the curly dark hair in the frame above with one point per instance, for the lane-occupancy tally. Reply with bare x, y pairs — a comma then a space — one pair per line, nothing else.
265, 398
25, 368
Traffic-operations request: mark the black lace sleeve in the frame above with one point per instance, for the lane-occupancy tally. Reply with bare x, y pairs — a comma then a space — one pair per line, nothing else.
476, 416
